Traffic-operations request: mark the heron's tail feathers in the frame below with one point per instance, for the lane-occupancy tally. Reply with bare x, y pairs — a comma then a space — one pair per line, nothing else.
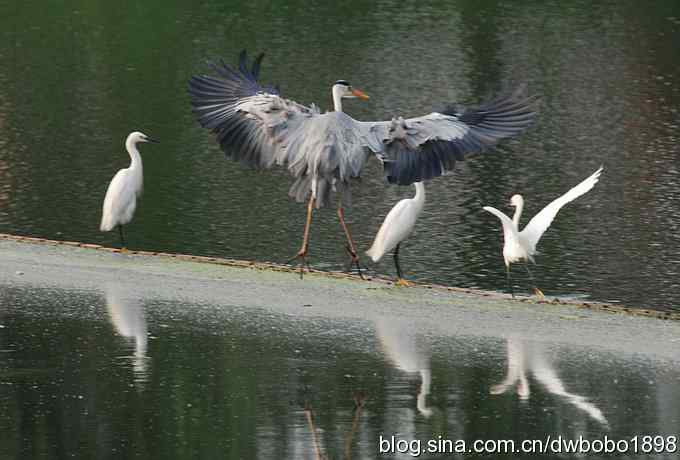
302, 189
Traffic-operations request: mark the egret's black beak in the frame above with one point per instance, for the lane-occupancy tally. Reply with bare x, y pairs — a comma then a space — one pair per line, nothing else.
151, 139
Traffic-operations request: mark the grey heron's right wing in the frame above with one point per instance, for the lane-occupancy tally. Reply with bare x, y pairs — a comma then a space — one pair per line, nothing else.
422, 148
252, 122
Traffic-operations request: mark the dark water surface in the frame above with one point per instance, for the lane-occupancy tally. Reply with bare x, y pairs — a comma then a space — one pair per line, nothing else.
76, 77
110, 373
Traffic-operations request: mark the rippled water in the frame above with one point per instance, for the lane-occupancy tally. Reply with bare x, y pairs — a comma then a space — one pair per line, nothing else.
79, 76
113, 373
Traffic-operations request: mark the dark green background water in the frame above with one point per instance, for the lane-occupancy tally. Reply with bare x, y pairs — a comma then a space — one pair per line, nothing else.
77, 76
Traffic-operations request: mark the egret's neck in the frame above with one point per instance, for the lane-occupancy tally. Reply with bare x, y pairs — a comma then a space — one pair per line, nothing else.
420, 192
134, 155
337, 99
518, 213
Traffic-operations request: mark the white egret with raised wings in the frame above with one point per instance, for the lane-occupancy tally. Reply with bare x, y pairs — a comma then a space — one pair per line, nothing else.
126, 186
324, 151
521, 245
396, 227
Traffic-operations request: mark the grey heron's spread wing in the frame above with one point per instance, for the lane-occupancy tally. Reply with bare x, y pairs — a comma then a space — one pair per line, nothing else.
252, 122
258, 127
422, 148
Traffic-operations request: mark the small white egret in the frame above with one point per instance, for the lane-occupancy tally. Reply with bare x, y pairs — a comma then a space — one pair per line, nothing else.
521, 245
121, 196
398, 225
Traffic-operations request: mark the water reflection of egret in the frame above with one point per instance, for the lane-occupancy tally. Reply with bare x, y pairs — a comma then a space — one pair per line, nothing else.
521, 245
127, 316
400, 345
522, 359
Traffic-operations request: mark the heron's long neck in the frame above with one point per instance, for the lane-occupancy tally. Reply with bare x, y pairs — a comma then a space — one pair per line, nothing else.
337, 100
134, 155
518, 214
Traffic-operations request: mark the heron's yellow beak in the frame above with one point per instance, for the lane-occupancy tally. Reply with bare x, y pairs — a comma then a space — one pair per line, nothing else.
360, 94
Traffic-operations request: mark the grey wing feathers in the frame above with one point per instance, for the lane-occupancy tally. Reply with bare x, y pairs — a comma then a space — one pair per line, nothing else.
251, 121
421, 148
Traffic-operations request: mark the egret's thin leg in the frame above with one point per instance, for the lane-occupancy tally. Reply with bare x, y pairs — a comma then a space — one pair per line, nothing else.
351, 247
400, 279
396, 261
507, 276
302, 253
537, 291
123, 246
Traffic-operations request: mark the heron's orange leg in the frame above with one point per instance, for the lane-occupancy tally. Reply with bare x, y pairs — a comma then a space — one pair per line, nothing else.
304, 249
351, 247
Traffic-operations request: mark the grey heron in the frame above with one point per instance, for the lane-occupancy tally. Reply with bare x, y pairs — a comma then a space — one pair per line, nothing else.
126, 186
521, 245
258, 127
396, 227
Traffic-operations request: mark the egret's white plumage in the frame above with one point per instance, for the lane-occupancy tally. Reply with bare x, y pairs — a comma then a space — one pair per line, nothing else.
397, 226
125, 187
521, 245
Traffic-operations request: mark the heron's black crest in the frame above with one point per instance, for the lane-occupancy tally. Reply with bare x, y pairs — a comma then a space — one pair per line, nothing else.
342, 82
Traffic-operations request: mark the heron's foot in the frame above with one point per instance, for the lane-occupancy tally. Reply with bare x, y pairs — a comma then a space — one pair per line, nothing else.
301, 256
539, 293
123, 250
354, 261
404, 283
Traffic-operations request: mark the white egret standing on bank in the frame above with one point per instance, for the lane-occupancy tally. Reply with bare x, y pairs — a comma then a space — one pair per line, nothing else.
324, 151
521, 245
396, 227
125, 187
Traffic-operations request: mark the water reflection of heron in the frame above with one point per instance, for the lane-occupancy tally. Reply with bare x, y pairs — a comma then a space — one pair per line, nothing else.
400, 345
523, 358
127, 317
359, 401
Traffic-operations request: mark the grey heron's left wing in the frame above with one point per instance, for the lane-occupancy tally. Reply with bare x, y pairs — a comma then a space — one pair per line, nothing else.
253, 122
425, 147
